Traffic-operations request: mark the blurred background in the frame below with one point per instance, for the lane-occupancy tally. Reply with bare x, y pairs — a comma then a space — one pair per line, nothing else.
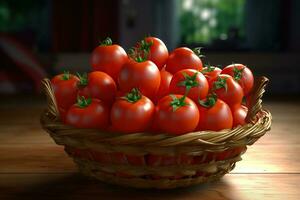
41, 38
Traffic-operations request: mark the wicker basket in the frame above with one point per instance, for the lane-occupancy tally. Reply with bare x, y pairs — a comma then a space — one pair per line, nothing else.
185, 160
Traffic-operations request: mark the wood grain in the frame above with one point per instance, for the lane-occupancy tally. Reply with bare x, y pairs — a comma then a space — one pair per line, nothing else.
33, 167
74, 186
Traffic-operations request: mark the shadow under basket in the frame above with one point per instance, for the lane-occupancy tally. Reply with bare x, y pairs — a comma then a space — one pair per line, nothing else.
145, 160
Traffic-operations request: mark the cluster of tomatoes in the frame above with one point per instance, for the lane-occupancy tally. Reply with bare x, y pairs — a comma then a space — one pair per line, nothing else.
152, 90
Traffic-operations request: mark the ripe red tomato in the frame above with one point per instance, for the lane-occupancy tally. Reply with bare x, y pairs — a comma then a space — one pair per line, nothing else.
65, 90
211, 73
142, 75
227, 89
108, 58
132, 113
98, 85
242, 75
155, 49
176, 114
164, 84
88, 113
239, 113
183, 58
189, 81
215, 114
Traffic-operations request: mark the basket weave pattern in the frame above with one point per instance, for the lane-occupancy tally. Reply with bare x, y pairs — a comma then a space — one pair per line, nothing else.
194, 157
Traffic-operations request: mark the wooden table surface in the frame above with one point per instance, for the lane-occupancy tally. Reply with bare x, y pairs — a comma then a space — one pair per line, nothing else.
33, 167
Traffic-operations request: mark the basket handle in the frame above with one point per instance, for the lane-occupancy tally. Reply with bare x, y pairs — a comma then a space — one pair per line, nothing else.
255, 98
52, 108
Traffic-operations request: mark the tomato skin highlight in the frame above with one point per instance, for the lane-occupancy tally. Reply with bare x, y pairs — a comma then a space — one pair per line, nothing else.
246, 80
183, 58
194, 93
127, 117
142, 75
234, 93
176, 122
95, 115
158, 52
165, 81
210, 75
239, 113
100, 86
65, 91
215, 118
109, 59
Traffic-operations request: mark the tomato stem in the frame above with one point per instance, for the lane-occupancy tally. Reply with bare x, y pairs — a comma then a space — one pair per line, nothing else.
133, 96
66, 76
141, 52
189, 81
106, 42
197, 51
209, 68
82, 102
83, 79
220, 83
209, 102
237, 73
177, 103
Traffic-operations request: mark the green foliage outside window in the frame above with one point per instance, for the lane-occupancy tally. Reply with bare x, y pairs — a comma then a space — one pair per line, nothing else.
202, 21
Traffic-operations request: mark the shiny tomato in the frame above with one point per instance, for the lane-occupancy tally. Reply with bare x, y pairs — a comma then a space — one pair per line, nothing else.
242, 75
88, 113
164, 85
155, 49
190, 82
143, 75
132, 113
98, 85
227, 89
239, 113
176, 114
211, 72
65, 90
108, 58
183, 58
215, 114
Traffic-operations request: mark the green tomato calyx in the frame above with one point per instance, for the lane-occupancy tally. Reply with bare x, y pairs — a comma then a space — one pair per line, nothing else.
177, 102
209, 102
83, 102
106, 42
133, 96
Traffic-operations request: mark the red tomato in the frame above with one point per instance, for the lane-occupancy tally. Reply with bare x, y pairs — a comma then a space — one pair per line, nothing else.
142, 75
156, 50
176, 114
211, 73
88, 113
132, 113
98, 85
242, 75
227, 89
215, 115
239, 113
65, 90
164, 84
108, 58
189, 81
183, 58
